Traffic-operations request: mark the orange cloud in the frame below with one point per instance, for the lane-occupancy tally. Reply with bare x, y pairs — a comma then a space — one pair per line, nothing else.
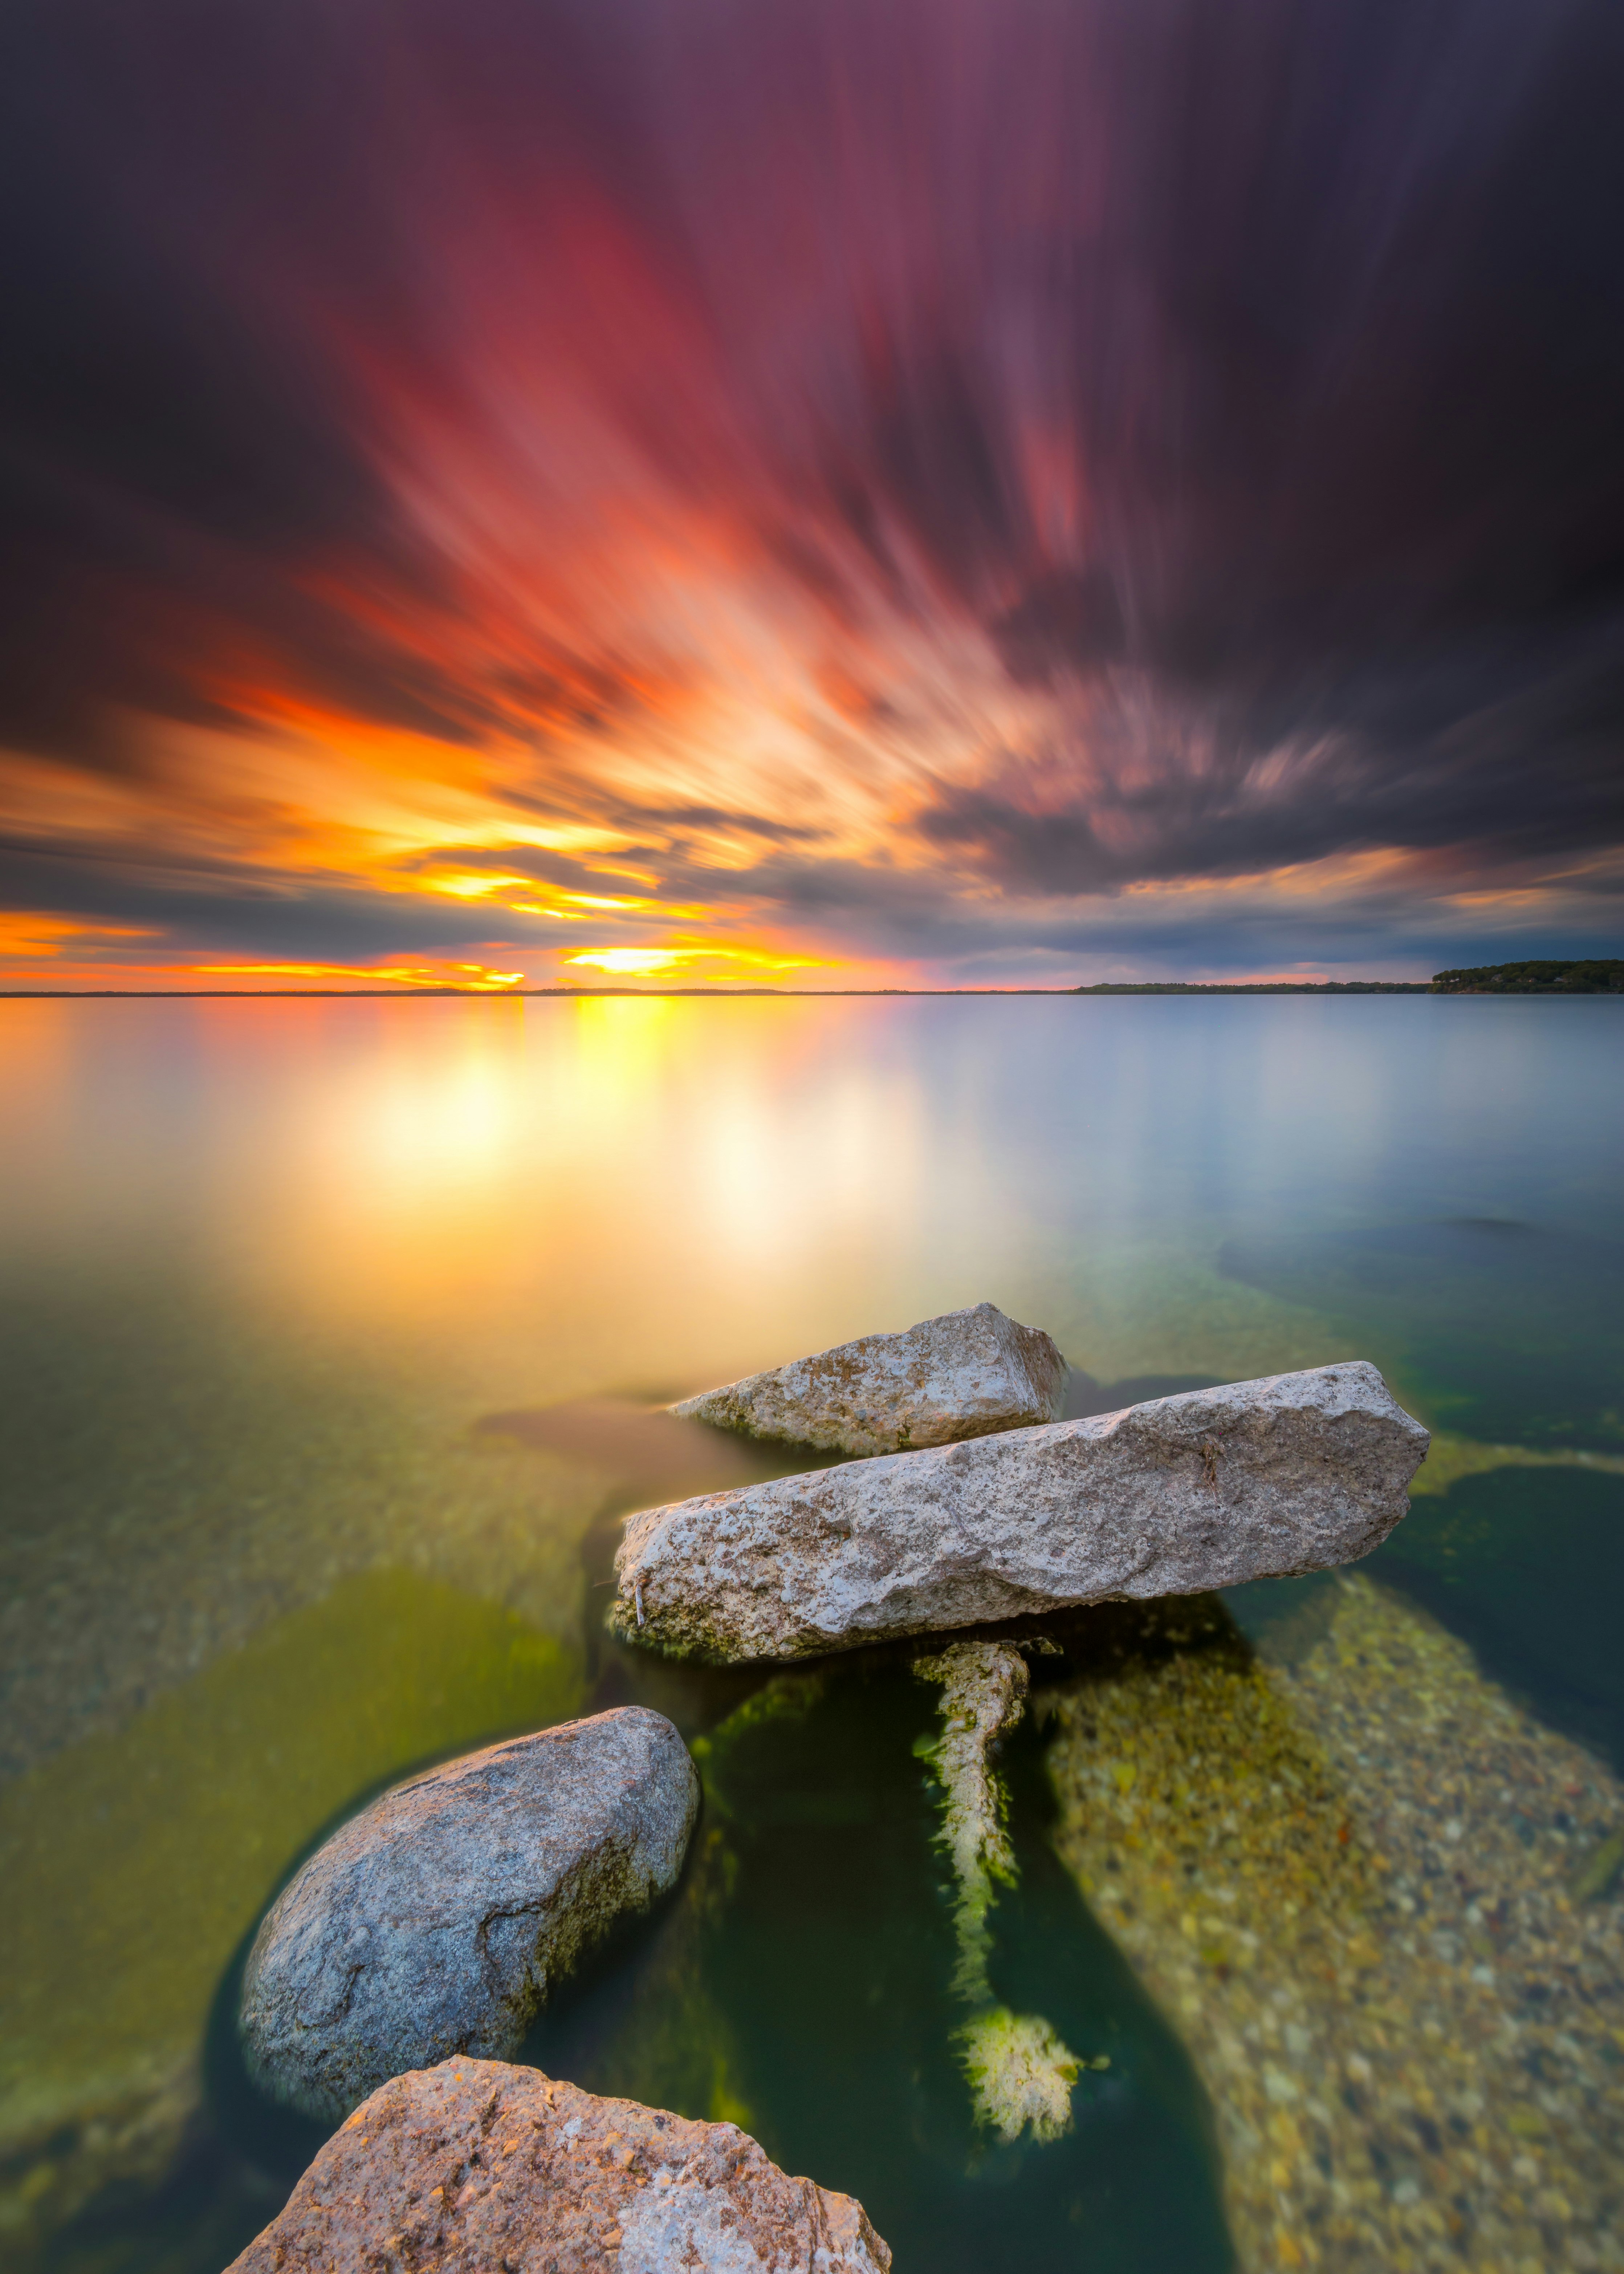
474, 975
32, 934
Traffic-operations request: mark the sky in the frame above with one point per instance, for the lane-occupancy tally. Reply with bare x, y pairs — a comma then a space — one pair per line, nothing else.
809, 492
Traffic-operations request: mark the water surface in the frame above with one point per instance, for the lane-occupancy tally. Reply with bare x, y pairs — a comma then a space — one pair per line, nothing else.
331, 1337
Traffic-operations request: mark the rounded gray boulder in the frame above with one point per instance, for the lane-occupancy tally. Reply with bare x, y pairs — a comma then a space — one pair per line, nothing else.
437, 1920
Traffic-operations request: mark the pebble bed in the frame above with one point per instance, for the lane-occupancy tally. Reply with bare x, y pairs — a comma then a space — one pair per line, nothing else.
1381, 1905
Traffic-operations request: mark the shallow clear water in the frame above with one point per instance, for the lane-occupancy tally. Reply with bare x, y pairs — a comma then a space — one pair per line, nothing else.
329, 1336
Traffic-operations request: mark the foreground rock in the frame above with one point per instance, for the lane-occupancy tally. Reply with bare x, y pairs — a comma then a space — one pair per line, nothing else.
435, 1921
475, 2167
1294, 1473
965, 1374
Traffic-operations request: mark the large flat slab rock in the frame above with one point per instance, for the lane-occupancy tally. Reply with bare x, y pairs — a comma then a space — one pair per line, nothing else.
1298, 1472
435, 1921
473, 2167
965, 1374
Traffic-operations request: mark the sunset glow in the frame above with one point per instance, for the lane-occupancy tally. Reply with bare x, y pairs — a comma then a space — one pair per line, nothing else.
643, 962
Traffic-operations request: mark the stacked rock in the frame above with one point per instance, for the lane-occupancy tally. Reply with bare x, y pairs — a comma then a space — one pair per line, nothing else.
407, 1958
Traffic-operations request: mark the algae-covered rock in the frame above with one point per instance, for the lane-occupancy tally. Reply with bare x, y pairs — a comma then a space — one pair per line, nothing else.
436, 1921
965, 1374
1347, 1877
136, 1860
473, 2165
1296, 1473
1601, 1870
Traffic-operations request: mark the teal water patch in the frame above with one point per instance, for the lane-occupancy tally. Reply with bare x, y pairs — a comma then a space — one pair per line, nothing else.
1510, 1332
1524, 1564
803, 1984
1084, 1397
1527, 1565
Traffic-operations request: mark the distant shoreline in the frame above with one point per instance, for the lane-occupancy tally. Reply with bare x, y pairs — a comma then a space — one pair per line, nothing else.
1567, 976
782, 994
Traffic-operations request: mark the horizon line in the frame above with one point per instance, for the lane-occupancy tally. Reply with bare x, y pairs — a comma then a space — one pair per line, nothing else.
794, 994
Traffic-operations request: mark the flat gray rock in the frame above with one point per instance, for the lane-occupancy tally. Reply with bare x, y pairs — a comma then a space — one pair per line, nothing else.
1298, 1472
474, 2167
436, 1921
965, 1374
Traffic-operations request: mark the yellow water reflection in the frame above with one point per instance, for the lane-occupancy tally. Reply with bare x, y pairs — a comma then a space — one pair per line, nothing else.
562, 1185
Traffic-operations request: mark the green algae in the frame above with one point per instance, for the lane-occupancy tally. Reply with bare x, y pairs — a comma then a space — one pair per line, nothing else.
781, 1697
1600, 1869
644, 2022
1492, 1323
1449, 1458
650, 2025
136, 1861
1346, 1873
1526, 1565
983, 1685
1019, 2073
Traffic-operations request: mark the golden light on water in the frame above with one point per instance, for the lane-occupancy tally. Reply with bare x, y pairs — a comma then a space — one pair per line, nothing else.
380, 1168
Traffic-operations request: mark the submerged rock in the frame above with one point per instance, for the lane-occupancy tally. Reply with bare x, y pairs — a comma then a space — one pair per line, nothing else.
436, 1921
163, 1830
1345, 1874
1296, 1472
967, 1374
474, 2165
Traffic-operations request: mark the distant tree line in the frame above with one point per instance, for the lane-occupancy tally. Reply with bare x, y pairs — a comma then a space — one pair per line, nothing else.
1257, 987
1600, 975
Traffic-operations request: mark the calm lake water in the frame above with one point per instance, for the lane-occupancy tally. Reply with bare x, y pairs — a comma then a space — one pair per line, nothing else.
331, 1334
